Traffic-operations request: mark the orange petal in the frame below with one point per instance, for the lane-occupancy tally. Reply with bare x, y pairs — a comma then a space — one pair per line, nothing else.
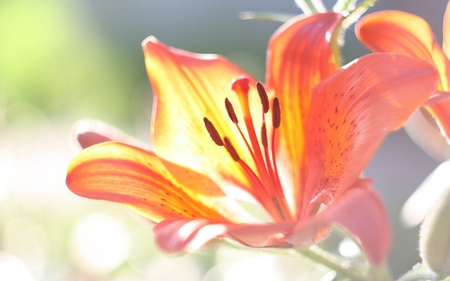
139, 179
407, 34
362, 213
299, 57
188, 87
353, 110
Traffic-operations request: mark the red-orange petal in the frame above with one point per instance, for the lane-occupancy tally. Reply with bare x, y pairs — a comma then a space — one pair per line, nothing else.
362, 213
188, 87
407, 34
139, 179
299, 57
353, 110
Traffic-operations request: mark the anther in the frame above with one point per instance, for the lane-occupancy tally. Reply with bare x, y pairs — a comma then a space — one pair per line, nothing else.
213, 132
276, 113
230, 111
231, 150
264, 135
263, 96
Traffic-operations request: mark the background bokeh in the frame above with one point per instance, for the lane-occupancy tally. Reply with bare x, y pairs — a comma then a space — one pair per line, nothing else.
64, 60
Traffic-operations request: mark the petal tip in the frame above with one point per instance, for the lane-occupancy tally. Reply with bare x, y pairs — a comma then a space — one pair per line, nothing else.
88, 132
150, 40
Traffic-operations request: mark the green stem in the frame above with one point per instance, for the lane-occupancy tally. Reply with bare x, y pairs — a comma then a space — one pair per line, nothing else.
341, 267
351, 269
347, 268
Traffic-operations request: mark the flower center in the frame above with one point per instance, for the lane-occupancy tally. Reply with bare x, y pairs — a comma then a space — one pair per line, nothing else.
264, 179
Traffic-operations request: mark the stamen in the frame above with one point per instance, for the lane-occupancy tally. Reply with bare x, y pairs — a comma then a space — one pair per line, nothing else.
276, 113
264, 136
279, 189
262, 194
263, 175
231, 150
230, 111
263, 96
213, 133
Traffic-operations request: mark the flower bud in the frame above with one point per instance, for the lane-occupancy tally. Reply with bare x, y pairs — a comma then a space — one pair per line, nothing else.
434, 244
420, 274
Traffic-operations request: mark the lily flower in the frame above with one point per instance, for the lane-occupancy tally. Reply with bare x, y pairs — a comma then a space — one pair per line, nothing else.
295, 144
407, 34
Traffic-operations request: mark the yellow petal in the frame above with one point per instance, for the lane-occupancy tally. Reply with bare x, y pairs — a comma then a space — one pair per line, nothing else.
188, 87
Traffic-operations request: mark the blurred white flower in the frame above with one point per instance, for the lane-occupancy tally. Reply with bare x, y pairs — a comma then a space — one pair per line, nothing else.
416, 207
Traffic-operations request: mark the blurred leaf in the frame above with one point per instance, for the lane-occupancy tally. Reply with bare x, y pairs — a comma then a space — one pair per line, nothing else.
265, 16
344, 5
310, 7
52, 57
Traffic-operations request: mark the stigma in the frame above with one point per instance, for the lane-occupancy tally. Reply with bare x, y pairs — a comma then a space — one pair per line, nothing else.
264, 176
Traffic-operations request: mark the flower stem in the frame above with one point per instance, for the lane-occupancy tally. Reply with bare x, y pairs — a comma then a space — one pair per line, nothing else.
381, 272
347, 268
342, 267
